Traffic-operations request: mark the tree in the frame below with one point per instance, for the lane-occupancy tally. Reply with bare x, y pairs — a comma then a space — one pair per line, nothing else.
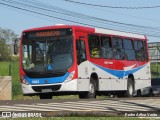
5, 52
7, 38
8, 35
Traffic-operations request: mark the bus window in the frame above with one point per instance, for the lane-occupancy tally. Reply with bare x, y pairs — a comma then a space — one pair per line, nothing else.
94, 46
106, 47
27, 55
139, 50
145, 50
81, 51
129, 52
40, 52
118, 51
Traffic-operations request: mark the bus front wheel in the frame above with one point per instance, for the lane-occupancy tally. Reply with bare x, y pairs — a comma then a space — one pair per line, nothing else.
91, 93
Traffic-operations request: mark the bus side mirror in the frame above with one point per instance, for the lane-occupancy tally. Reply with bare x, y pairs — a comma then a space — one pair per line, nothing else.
15, 46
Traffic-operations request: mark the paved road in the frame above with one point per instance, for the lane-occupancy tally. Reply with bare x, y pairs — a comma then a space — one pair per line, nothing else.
112, 105
83, 107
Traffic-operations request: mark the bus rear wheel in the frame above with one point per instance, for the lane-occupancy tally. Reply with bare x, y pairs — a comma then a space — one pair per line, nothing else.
45, 96
130, 88
139, 94
150, 94
91, 93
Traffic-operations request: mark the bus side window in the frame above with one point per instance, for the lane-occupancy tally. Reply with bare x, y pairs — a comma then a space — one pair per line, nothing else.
145, 51
106, 47
94, 46
118, 51
129, 51
81, 51
139, 50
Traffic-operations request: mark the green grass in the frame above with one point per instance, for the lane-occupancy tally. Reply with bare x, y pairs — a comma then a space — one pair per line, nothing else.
4, 68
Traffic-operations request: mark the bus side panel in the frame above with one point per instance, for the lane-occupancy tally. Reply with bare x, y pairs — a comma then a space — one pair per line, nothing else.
112, 84
119, 84
143, 77
107, 81
83, 84
83, 75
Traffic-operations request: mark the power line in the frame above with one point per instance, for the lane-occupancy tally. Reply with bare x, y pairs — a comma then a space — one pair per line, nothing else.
123, 14
81, 22
64, 19
34, 12
115, 7
78, 15
90, 18
23, 12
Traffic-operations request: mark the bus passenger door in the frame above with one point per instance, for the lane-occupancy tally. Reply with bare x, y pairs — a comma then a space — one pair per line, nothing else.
81, 51
83, 81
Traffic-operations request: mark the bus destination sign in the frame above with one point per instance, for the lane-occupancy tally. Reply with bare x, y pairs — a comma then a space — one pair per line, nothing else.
48, 33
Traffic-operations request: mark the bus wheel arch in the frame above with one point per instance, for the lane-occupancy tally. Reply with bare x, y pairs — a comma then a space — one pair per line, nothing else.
94, 77
93, 87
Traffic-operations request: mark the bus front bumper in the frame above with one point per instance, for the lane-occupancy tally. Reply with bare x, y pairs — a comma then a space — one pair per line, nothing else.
49, 88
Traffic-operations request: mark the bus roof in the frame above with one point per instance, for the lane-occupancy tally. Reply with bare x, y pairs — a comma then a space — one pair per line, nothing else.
76, 27
119, 33
91, 30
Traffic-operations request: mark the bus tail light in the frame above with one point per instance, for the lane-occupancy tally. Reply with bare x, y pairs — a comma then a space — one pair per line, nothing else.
69, 78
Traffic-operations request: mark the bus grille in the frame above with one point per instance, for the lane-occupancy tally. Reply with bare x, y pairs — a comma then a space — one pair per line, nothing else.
52, 87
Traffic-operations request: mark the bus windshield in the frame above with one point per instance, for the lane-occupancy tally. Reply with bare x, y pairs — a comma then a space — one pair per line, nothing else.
47, 54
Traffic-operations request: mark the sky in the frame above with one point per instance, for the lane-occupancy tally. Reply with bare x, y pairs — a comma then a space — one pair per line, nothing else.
19, 20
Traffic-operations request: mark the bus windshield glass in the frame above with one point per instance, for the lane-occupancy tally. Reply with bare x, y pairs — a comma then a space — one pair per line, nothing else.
49, 52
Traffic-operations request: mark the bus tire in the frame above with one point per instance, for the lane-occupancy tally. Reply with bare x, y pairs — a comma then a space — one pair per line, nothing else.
130, 88
45, 96
139, 94
91, 93
150, 94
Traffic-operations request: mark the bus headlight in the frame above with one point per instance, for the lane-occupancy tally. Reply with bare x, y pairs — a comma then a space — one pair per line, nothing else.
24, 81
69, 78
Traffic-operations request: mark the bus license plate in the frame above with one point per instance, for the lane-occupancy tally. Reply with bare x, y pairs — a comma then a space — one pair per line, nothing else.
46, 90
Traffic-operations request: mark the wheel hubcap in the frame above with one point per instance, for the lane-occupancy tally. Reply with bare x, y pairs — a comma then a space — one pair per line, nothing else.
130, 90
92, 90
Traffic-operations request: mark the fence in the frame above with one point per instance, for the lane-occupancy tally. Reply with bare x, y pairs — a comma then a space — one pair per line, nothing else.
155, 70
6, 88
155, 65
154, 52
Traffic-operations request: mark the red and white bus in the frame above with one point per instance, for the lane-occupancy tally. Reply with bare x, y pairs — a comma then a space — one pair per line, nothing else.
68, 59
